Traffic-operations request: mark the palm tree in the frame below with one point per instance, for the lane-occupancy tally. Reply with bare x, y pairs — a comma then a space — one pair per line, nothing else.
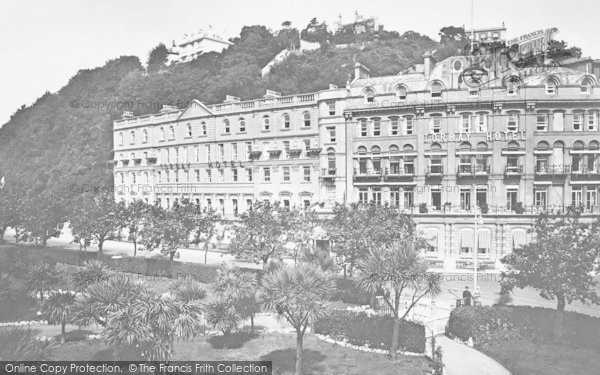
399, 268
239, 288
92, 271
221, 314
22, 344
57, 309
41, 278
298, 295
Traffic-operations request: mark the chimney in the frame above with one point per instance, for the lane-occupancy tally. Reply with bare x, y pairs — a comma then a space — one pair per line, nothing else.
360, 71
231, 99
272, 94
428, 63
127, 114
169, 108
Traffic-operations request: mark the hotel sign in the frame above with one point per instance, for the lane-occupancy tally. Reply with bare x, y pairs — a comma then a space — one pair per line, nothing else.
532, 43
465, 137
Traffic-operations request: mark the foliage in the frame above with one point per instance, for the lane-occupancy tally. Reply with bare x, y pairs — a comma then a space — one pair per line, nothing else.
42, 277
93, 271
133, 216
157, 58
43, 216
96, 218
484, 324
165, 231
374, 331
559, 261
298, 295
11, 212
21, 344
57, 309
348, 291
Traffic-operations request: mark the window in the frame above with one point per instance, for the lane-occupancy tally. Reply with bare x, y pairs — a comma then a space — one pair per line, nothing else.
551, 86
512, 196
465, 199
121, 139
592, 121
248, 150
267, 174
408, 125
436, 198
235, 207
285, 121
204, 130
474, 91
331, 132
186, 175
481, 122
242, 125
401, 93
362, 160
363, 195
376, 194
512, 122
331, 161
306, 144
364, 129
331, 106
408, 198
132, 137
266, 123
171, 132
435, 124
436, 90
234, 175
221, 151
306, 170
306, 117
376, 152
133, 178
369, 95
234, 151
226, 126
542, 122
123, 178
465, 123
576, 196
167, 176
540, 197
197, 175
466, 241
586, 86
394, 126
286, 174
162, 134
376, 127
409, 165
145, 136
286, 149
189, 130
435, 164
208, 153
577, 121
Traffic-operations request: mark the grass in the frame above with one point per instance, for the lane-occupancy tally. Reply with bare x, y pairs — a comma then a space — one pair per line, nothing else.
523, 356
319, 357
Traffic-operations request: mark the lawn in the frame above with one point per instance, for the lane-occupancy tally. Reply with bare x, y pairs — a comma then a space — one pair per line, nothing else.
320, 357
525, 357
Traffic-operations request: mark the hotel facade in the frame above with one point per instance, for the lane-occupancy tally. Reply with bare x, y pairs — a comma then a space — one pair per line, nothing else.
441, 141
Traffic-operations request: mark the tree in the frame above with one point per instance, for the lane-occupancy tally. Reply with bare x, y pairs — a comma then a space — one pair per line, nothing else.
298, 295
132, 216
560, 46
262, 233
57, 310
23, 344
452, 34
43, 216
42, 278
302, 231
354, 231
11, 212
316, 32
157, 58
165, 231
399, 268
96, 218
93, 271
559, 262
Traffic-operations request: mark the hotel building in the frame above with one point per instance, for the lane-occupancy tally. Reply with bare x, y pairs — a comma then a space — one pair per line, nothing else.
436, 141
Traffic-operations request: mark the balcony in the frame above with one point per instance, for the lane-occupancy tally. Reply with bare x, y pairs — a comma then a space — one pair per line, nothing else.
255, 154
313, 151
274, 154
368, 175
473, 170
582, 174
552, 170
513, 171
434, 171
396, 173
328, 173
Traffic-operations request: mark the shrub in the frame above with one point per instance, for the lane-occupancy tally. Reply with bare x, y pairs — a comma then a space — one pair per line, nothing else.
346, 290
483, 323
372, 331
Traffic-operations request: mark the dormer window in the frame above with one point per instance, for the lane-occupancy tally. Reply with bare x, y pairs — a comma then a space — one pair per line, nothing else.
401, 92
512, 85
586, 86
436, 90
369, 94
551, 86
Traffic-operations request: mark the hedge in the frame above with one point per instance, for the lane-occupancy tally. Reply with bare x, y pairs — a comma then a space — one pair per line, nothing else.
143, 266
490, 323
348, 291
374, 331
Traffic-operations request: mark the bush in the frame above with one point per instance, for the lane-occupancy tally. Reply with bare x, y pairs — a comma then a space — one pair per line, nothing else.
372, 331
492, 323
346, 290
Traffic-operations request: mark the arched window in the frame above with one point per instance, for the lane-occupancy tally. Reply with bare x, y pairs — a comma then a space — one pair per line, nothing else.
362, 150
145, 136
594, 145
189, 130
376, 152
394, 148
436, 89
408, 148
162, 134
132, 136
586, 85
204, 130
512, 85
551, 85
121, 139
558, 144
401, 92
331, 160
285, 121
266, 123
369, 94
242, 124
578, 145
172, 132
542, 145
306, 117
226, 127
435, 146
512, 145
465, 146
482, 146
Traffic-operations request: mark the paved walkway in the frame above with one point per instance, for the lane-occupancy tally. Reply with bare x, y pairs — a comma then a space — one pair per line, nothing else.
460, 359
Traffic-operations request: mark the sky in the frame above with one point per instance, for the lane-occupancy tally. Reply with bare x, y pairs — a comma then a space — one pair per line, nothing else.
44, 43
